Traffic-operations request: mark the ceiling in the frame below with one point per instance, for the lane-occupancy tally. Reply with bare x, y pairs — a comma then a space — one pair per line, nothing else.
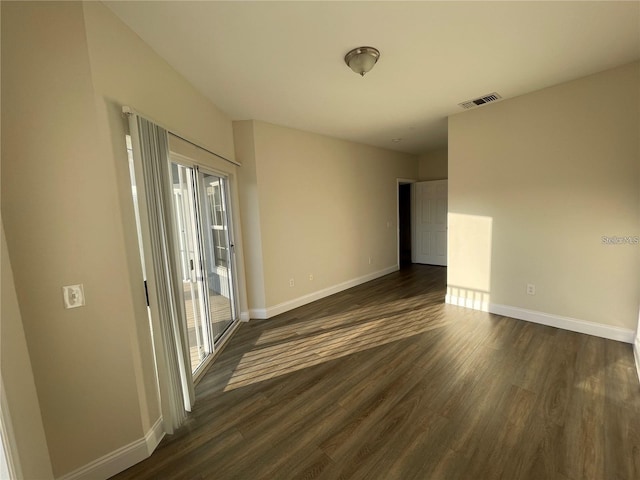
282, 62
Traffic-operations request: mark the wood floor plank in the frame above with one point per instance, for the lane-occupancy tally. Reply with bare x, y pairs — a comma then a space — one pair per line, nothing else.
385, 381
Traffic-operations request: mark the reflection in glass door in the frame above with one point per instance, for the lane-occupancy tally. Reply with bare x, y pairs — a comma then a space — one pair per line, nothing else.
202, 225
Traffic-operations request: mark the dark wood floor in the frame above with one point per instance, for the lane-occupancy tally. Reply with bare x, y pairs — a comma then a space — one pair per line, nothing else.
385, 381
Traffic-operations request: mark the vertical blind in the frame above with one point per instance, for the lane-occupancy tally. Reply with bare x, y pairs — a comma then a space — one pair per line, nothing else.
151, 164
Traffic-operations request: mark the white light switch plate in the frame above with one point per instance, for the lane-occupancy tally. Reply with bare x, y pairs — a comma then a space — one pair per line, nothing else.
73, 296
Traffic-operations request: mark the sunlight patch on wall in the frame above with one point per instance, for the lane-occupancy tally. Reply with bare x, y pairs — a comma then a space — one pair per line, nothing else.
469, 261
464, 297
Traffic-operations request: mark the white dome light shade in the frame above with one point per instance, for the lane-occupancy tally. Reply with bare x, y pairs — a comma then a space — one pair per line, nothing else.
362, 59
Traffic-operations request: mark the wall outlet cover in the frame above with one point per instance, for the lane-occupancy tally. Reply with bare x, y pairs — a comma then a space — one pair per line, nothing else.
73, 296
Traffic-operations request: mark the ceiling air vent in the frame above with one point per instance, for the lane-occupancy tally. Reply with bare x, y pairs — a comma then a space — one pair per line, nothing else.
491, 97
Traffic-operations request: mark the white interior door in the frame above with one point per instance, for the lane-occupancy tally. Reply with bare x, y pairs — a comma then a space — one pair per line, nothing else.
429, 205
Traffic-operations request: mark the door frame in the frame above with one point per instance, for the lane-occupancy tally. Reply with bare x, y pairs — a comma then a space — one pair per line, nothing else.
226, 194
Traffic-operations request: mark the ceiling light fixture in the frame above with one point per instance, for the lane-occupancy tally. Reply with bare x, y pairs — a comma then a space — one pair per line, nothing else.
362, 59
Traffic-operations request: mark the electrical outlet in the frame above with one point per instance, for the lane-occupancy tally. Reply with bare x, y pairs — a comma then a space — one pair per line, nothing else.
291, 282
531, 289
73, 296
369, 260
311, 277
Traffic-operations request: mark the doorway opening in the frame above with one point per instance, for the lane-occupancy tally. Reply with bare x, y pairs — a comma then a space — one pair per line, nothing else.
404, 224
422, 222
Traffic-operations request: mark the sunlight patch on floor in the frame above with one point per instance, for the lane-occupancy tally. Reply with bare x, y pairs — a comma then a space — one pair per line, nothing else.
289, 356
363, 313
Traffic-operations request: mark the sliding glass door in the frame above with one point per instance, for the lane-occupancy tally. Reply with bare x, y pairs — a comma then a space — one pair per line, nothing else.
217, 256
205, 254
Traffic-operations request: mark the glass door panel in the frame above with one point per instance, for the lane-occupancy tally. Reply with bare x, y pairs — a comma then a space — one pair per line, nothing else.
202, 221
217, 246
190, 258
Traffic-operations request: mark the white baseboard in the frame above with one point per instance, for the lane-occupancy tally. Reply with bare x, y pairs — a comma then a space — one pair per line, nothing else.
264, 313
244, 316
120, 459
567, 323
154, 436
610, 332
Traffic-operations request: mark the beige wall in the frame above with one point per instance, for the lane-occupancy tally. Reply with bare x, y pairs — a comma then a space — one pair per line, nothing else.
248, 183
62, 227
433, 165
543, 177
325, 206
17, 379
126, 71
66, 69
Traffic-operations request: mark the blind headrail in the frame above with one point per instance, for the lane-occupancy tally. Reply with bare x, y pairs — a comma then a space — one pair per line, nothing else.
128, 111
